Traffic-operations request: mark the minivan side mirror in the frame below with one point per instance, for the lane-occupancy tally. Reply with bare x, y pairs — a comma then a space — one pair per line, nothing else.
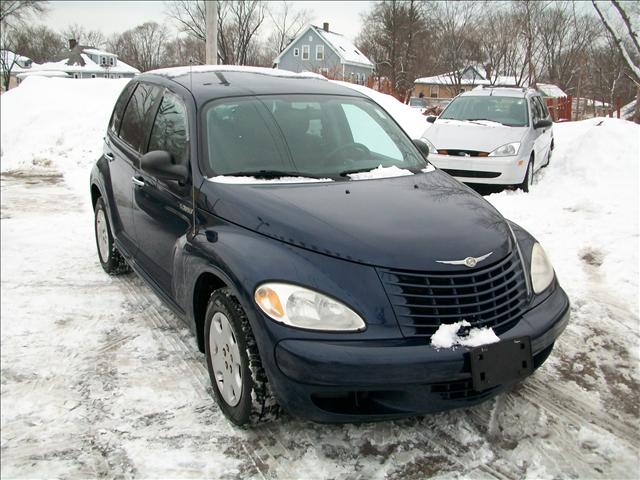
542, 124
159, 164
431, 118
422, 146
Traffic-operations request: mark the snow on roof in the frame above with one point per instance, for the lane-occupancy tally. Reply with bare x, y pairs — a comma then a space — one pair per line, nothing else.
95, 51
550, 90
89, 67
42, 73
13, 60
178, 71
450, 79
343, 47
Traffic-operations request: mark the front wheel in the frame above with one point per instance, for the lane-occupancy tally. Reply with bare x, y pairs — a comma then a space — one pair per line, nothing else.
110, 258
525, 186
239, 382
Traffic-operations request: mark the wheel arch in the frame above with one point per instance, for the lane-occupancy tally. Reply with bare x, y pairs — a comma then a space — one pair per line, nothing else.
205, 285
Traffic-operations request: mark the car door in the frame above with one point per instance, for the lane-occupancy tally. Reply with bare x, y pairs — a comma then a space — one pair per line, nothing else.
120, 171
126, 149
546, 132
163, 209
536, 133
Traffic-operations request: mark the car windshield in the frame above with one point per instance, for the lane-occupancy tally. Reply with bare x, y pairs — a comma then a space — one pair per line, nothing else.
303, 135
511, 111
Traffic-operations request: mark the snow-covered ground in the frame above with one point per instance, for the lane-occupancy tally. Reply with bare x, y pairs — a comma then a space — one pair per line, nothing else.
98, 378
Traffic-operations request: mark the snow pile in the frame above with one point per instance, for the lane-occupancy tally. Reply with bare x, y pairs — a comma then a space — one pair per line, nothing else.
410, 119
583, 208
447, 336
380, 172
56, 124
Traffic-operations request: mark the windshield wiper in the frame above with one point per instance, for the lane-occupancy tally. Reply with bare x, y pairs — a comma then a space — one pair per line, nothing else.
476, 120
269, 174
344, 173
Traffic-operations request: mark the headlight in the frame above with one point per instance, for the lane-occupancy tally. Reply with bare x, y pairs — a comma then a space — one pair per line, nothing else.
541, 269
507, 150
303, 308
432, 149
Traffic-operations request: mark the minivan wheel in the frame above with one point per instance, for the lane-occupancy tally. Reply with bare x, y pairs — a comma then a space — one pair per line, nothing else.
238, 379
525, 186
110, 258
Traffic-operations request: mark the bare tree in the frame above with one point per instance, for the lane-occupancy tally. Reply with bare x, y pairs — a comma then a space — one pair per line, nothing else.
184, 50
287, 22
142, 47
626, 40
15, 11
458, 46
39, 43
8, 57
189, 16
94, 38
395, 35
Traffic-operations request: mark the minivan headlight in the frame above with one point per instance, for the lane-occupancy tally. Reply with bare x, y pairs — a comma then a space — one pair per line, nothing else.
303, 308
432, 149
507, 150
541, 269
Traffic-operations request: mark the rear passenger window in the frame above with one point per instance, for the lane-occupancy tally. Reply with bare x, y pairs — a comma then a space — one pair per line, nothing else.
138, 116
118, 111
170, 129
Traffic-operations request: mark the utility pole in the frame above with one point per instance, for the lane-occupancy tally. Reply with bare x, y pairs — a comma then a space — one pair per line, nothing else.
211, 17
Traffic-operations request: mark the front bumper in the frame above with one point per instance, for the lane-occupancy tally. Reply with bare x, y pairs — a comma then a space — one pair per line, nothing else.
345, 381
489, 170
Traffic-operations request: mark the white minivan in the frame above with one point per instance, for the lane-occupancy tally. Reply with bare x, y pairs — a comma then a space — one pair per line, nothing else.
499, 136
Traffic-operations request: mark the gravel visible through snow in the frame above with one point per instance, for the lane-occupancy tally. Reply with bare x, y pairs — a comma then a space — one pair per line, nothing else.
99, 379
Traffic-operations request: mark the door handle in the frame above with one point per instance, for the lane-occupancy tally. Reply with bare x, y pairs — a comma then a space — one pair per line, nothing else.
138, 181
109, 156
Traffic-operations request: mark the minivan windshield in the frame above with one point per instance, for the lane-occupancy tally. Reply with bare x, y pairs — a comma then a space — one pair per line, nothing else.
318, 136
510, 111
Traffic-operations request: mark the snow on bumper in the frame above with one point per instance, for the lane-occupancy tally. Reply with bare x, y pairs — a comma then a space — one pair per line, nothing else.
492, 170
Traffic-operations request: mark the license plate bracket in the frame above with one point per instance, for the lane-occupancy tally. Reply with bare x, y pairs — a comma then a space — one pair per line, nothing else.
502, 362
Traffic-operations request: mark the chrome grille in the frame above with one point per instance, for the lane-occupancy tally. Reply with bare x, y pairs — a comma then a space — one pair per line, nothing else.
492, 296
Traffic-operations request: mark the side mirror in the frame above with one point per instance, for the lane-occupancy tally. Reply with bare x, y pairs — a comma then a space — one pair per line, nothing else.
542, 124
422, 146
431, 118
159, 164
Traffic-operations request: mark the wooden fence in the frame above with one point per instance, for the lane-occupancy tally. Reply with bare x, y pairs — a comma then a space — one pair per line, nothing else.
560, 108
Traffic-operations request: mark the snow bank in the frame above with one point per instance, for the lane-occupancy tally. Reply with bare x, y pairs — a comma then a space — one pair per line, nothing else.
410, 119
583, 208
447, 336
56, 123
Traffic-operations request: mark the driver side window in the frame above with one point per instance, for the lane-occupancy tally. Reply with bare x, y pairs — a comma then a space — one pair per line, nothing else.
365, 130
170, 130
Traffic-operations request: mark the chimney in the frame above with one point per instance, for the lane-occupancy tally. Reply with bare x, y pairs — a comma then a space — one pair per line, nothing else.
325, 26
72, 43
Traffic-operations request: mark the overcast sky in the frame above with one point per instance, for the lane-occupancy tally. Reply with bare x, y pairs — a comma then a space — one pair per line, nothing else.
114, 17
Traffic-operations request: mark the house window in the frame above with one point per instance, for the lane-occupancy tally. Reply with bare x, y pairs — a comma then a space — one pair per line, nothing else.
296, 52
111, 61
310, 38
319, 52
103, 61
434, 91
305, 52
93, 75
75, 75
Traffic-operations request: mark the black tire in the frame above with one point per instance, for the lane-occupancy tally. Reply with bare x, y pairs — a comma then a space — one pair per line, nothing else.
257, 403
549, 154
114, 263
525, 186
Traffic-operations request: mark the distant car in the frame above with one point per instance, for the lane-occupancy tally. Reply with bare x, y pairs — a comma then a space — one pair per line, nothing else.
497, 136
249, 202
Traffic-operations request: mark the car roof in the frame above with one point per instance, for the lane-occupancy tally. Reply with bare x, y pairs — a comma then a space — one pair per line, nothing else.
517, 92
209, 82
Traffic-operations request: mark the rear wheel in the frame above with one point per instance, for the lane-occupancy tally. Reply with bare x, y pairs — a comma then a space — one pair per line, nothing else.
525, 186
239, 382
110, 258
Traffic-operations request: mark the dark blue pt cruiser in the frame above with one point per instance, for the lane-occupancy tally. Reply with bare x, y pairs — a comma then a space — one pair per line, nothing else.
313, 250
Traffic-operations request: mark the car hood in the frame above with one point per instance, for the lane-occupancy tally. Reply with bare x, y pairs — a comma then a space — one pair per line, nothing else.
453, 134
405, 222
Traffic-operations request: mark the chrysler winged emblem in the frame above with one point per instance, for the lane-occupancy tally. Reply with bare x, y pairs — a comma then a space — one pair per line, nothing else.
467, 262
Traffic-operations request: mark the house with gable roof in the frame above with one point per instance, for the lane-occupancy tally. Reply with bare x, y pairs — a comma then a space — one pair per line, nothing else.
322, 51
